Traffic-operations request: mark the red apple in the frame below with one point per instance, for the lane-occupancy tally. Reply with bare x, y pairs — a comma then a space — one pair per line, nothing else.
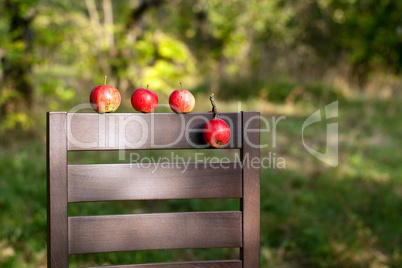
216, 131
105, 98
181, 101
144, 100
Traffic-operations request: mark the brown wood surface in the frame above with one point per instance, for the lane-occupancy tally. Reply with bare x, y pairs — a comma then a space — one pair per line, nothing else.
203, 264
90, 131
251, 190
135, 182
92, 234
57, 190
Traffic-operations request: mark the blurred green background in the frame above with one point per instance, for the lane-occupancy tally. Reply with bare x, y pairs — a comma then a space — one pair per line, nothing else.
283, 58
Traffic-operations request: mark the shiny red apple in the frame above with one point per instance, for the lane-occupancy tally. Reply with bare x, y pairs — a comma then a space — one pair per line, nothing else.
181, 101
216, 132
144, 100
105, 98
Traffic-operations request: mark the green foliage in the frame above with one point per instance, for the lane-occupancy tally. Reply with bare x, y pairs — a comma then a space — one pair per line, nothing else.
12, 121
23, 207
174, 61
277, 56
371, 32
268, 47
279, 90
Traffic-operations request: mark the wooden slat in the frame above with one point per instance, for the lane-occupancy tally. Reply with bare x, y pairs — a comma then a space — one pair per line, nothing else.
94, 234
90, 131
167, 181
57, 190
202, 264
251, 189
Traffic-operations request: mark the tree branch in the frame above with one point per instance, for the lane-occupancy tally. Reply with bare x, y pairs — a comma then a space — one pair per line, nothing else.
137, 13
108, 24
95, 21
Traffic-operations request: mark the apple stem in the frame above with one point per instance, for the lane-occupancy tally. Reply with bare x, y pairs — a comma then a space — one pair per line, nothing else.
105, 79
181, 85
147, 86
214, 110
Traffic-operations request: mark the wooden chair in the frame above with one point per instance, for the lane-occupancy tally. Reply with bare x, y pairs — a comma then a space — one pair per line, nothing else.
68, 183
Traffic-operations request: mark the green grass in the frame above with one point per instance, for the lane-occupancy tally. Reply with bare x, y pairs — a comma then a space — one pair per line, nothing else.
312, 215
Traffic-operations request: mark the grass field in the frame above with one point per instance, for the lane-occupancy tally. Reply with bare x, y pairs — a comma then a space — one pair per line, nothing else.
312, 214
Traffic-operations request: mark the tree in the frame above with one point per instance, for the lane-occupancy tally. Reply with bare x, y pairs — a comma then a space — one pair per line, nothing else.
17, 89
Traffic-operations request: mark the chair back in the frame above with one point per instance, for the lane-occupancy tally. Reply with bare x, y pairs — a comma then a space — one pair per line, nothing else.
69, 183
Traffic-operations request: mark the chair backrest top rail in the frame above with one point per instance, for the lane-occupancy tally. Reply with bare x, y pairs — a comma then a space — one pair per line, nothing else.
116, 131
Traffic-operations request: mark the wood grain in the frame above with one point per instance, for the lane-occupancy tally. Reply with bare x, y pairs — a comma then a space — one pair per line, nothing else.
251, 190
107, 182
134, 182
57, 190
203, 264
89, 131
94, 234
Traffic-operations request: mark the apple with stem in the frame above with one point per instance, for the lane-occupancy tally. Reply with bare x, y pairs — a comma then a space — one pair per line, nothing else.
181, 101
144, 100
105, 98
216, 131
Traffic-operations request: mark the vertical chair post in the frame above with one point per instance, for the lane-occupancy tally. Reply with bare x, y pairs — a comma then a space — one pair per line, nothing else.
251, 189
57, 213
